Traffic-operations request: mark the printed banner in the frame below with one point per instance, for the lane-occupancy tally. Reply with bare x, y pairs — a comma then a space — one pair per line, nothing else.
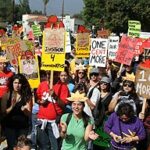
98, 55
83, 45
113, 46
143, 81
134, 28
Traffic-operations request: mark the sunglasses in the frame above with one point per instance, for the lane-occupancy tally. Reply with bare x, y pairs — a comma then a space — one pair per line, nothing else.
81, 72
104, 83
129, 85
94, 74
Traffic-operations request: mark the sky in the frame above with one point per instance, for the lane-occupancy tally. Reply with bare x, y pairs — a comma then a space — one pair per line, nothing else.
54, 7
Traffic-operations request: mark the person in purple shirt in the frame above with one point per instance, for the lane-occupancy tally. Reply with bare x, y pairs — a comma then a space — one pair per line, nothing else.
125, 128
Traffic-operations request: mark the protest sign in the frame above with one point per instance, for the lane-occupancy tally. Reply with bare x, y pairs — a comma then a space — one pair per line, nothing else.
134, 28
53, 60
143, 81
54, 40
67, 23
28, 66
98, 54
145, 35
103, 33
113, 46
36, 30
67, 43
83, 45
125, 51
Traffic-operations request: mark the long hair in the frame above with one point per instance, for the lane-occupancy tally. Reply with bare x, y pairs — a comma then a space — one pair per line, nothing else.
25, 90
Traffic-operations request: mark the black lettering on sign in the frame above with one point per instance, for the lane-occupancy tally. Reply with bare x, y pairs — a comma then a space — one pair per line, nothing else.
52, 57
98, 44
98, 59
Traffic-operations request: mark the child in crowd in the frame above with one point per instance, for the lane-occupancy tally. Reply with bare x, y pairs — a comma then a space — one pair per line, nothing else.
23, 143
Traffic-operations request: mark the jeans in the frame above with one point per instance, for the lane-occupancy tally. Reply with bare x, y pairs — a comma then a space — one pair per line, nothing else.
12, 136
46, 138
33, 132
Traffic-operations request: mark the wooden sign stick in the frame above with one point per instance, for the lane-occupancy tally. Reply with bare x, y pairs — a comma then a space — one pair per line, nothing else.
120, 69
143, 106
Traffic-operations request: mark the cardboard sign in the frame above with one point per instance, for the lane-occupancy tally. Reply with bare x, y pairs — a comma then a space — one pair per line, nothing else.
125, 51
143, 81
30, 69
36, 30
67, 23
83, 45
103, 33
113, 46
54, 40
98, 55
67, 43
134, 28
52, 60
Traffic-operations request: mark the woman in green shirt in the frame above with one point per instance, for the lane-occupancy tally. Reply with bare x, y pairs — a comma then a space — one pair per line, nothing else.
79, 130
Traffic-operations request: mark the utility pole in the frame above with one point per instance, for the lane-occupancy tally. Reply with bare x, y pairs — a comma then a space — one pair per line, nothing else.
13, 11
62, 9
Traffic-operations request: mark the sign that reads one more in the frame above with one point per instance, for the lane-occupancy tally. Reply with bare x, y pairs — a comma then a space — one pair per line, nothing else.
143, 81
113, 46
98, 54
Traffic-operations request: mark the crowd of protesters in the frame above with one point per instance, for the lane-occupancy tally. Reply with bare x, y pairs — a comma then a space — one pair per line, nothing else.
87, 108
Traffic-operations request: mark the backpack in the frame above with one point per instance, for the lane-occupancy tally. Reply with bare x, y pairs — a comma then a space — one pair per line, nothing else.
69, 118
98, 111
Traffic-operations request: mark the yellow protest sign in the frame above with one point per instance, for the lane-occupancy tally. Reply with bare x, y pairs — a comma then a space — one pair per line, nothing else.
83, 45
28, 66
53, 62
134, 28
53, 53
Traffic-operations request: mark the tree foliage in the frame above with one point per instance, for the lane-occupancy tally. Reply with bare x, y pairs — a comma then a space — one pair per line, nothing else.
114, 14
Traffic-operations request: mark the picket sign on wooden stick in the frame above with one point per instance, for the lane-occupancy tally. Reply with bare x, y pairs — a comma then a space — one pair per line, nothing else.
143, 106
120, 69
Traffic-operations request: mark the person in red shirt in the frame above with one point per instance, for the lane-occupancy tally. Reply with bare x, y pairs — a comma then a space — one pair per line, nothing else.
52, 103
4, 76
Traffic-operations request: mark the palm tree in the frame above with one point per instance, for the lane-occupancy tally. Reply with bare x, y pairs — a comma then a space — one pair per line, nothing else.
45, 4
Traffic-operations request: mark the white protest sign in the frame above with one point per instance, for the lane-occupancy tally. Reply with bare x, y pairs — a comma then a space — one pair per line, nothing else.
98, 54
113, 46
67, 43
67, 23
